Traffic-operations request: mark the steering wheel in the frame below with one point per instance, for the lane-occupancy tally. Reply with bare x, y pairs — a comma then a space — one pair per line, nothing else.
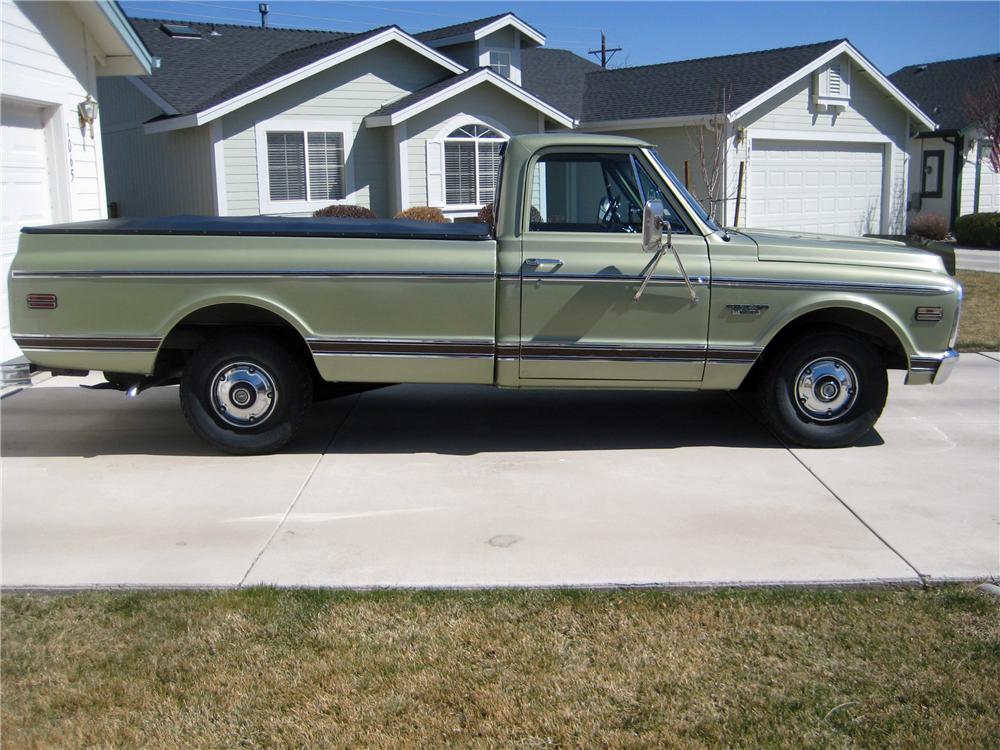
607, 213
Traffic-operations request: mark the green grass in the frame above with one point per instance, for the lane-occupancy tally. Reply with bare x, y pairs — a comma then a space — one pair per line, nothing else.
980, 327
528, 669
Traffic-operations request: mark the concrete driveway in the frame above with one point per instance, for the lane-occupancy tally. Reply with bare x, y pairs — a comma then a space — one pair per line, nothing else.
468, 486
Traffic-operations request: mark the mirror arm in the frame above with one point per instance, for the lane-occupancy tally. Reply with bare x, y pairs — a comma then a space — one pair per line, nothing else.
660, 252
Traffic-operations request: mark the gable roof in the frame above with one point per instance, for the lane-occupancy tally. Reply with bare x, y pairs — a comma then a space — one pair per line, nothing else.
694, 88
427, 97
557, 76
201, 79
941, 88
468, 31
193, 70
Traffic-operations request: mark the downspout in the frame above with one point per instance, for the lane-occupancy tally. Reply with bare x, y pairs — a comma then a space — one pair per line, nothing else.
958, 147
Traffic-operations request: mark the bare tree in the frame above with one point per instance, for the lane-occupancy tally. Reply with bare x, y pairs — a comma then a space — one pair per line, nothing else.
983, 108
711, 152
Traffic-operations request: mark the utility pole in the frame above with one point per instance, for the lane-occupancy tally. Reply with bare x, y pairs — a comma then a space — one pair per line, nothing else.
604, 50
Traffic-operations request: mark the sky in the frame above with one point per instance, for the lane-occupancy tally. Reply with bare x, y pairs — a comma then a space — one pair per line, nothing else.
890, 34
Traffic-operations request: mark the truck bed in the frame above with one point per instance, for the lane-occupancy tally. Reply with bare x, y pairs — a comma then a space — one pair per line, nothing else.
273, 226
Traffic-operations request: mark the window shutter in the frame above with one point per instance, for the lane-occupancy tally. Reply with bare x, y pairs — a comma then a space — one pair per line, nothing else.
435, 173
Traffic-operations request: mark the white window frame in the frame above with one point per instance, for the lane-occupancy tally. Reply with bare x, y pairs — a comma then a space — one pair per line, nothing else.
510, 62
477, 204
285, 124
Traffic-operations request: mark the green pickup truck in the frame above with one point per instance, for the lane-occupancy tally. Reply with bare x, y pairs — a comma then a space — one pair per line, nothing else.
601, 271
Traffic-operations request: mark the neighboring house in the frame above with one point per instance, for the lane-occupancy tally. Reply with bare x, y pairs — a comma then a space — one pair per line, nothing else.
240, 120
821, 133
243, 120
52, 55
950, 171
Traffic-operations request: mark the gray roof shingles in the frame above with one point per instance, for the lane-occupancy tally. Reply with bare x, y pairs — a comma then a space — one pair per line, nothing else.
691, 87
457, 29
556, 76
940, 89
193, 71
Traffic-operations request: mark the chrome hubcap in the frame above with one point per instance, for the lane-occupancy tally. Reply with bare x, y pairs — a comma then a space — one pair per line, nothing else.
826, 389
243, 395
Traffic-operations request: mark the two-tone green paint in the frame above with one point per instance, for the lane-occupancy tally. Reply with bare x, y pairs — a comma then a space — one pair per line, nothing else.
391, 293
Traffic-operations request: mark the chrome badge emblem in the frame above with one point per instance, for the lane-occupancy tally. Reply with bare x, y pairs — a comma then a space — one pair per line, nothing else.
747, 309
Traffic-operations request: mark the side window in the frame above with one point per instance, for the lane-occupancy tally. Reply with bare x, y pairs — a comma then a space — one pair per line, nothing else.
582, 192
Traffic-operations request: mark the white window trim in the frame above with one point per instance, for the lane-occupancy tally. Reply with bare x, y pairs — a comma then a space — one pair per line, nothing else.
510, 61
261, 129
450, 125
478, 203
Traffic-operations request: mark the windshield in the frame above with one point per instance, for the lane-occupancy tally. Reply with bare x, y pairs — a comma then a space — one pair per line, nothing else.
692, 202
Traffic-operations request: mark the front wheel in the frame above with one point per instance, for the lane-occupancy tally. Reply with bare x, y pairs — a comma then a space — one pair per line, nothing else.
245, 394
824, 391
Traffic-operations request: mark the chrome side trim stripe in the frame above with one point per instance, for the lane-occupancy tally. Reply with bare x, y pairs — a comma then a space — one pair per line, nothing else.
530, 350
830, 286
567, 278
272, 274
90, 343
401, 348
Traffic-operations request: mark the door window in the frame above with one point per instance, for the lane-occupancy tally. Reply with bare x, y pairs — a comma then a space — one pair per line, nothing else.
600, 192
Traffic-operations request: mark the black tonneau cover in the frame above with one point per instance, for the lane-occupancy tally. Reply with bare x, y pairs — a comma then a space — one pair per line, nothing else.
274, 226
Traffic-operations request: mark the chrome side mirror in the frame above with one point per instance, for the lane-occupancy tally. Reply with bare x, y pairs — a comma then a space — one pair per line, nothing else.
652, 225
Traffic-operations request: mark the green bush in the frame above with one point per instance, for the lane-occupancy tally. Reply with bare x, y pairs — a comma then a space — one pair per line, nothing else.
979, 230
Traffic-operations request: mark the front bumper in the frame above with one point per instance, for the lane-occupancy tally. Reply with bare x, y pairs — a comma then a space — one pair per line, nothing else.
935, 370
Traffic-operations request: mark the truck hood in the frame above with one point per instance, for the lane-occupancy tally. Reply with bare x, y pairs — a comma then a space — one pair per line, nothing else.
773, 244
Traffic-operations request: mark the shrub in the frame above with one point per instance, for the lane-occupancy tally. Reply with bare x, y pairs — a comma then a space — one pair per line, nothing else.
423, 213
979, 230
931, 226
345, 212
486, 215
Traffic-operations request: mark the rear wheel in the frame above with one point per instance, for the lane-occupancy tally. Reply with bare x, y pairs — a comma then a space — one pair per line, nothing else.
245, 394
825, 390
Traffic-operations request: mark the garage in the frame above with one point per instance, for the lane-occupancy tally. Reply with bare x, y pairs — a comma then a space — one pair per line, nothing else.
27, 187
833, 188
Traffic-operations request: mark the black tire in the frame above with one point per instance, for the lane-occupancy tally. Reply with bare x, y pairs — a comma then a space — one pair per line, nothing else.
805, 391
269, 380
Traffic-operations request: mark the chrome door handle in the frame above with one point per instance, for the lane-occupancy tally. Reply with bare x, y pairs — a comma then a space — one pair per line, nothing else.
536, 262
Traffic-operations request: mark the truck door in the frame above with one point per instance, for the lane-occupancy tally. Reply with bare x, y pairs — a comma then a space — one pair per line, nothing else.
582, 262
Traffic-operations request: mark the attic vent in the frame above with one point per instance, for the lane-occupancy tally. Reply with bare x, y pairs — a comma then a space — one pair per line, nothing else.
835, 85
180, 31
920, 69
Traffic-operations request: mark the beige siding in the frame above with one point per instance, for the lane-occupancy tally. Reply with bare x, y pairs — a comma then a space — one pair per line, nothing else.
484, 102
349, 91
157, 174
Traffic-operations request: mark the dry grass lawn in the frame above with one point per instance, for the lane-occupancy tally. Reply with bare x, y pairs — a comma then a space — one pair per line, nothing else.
503, 669
979, 330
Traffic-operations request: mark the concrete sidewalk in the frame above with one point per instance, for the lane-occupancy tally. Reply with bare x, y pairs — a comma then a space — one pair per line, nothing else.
971, 259
469, 486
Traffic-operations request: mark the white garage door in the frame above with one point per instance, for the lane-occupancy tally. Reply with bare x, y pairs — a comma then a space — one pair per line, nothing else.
833, 188
27, 194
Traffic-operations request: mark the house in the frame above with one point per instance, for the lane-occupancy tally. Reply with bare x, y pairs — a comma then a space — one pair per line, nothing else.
950, 171
52, 55
821, 134
243, 120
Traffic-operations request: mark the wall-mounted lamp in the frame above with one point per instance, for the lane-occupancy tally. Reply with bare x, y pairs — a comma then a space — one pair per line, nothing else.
87, 109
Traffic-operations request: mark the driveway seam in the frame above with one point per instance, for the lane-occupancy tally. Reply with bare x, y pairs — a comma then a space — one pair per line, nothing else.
990, 357
301, 490
922, 578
